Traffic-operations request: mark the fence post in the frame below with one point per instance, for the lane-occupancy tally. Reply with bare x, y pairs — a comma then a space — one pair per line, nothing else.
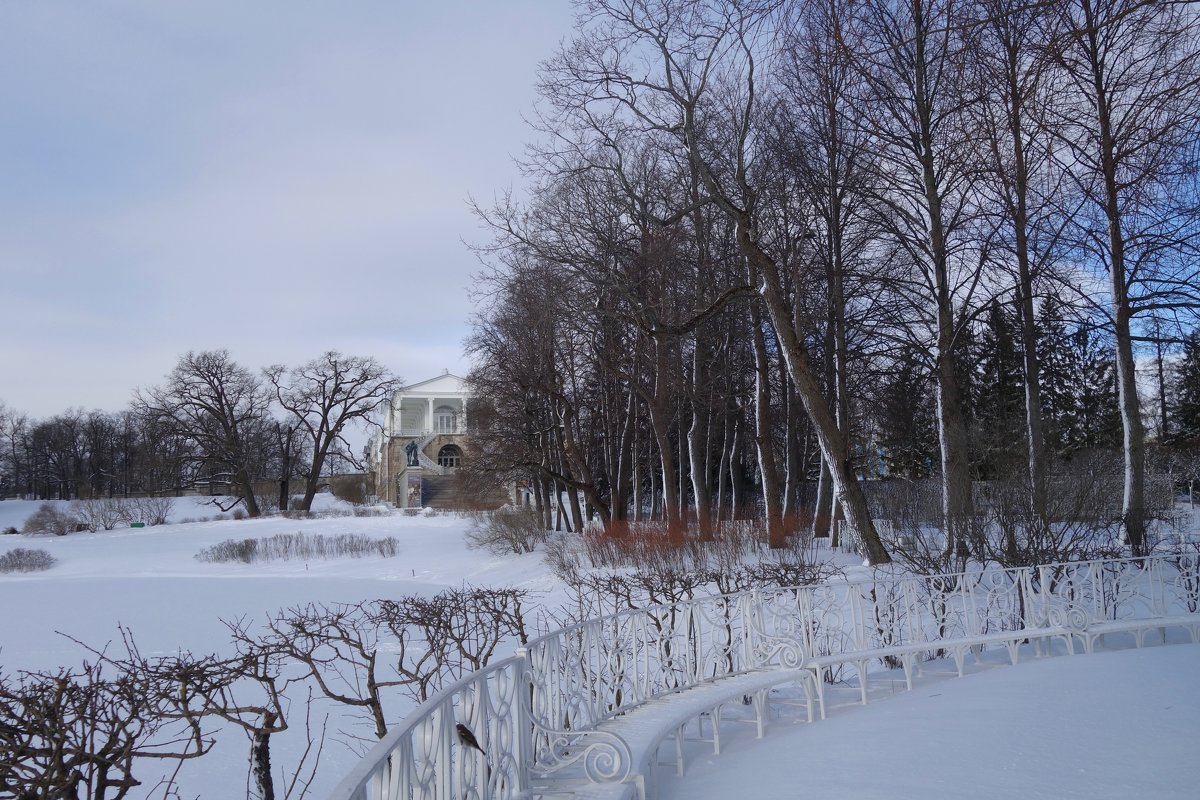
523, 741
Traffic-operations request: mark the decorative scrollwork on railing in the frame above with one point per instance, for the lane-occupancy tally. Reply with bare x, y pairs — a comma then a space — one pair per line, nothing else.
1068, 617
605, 757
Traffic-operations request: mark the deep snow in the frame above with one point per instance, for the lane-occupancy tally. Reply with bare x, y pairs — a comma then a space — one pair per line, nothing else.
1111, 725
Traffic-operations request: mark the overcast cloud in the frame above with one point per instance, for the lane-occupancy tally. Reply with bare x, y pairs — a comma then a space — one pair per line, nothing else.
273, 178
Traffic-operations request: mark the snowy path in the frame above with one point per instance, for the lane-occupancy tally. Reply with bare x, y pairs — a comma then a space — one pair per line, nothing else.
1120, 724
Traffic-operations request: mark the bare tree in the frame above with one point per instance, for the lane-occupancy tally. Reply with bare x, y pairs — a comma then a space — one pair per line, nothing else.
1026, 187
1128, 128
325, 395
250, 691
913, 58
444, 637
215, 403
83, 733
14, 427
686, 76
336, 645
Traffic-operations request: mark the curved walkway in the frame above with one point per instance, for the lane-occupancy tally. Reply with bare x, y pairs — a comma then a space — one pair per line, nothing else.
1117, 724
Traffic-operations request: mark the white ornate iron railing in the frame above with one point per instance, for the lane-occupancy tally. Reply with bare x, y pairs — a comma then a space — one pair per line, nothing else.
535, 713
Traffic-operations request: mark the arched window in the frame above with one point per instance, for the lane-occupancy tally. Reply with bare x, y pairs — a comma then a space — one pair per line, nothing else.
449, 456
445, 420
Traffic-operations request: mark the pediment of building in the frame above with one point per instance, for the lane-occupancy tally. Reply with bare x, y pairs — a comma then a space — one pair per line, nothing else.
445, 385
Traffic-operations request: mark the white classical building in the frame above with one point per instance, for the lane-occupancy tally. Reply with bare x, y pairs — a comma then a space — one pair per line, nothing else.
422, 441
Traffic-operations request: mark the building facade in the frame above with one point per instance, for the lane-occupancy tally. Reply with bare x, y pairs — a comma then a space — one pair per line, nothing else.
422, 443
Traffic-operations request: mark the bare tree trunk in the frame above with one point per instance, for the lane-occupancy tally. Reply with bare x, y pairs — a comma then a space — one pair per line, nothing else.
776, 534
547, 506
793, 471
735, 478
260, 759
727, 424
576, 509
846, 488
619, 509
823, 510
246, 487
1133, 500
958, 507
697, 439
1134, 436
660, 424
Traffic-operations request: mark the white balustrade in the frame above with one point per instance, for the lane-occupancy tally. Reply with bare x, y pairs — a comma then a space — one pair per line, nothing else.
535, 714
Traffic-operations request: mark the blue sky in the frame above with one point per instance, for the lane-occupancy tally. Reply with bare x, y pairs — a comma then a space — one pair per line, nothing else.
273, 178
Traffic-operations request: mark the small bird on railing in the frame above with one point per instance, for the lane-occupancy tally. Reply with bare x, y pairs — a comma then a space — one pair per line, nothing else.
467, 738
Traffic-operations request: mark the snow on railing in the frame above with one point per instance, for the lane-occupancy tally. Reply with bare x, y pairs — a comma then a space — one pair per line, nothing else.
535, 713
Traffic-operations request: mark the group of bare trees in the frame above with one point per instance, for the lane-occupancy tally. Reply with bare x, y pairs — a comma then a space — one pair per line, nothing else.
746, 222
93, 731
212, 422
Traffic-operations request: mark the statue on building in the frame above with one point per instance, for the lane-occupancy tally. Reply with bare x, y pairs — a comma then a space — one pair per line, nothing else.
411, 450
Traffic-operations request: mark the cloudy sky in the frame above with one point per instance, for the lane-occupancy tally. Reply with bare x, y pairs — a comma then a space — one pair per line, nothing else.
274, 178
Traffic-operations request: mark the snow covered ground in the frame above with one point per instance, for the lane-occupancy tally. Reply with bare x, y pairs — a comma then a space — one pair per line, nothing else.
1112, 725
1122, 724
149, 581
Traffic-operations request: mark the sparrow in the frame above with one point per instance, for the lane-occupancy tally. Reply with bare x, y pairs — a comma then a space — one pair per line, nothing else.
467, 738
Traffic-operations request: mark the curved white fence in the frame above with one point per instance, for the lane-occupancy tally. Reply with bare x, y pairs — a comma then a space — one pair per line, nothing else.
535, 714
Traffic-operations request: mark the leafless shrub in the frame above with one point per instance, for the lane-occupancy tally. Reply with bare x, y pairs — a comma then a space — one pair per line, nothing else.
299, 546
82, 733
268, 503
356, 653
351, 488
782, 573
506, 530
456, 631
103, 514
653, 547
906, 504
922, 549
335, 644
602, 592
24, 560
49, 518
370, 511
151, 510
1082, 519
247, 690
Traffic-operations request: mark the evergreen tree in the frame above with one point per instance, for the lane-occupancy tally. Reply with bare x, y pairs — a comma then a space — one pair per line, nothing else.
1057, 390
1097, 422
905, 420
1079, 398
1185, 391
997, 408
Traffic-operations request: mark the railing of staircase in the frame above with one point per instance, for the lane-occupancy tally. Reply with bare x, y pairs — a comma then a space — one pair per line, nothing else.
536, 712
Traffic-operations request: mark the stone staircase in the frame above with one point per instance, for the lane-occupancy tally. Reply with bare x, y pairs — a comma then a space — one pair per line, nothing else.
447, 492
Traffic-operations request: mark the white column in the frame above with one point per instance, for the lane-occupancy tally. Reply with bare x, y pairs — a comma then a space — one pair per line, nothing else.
429, 413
